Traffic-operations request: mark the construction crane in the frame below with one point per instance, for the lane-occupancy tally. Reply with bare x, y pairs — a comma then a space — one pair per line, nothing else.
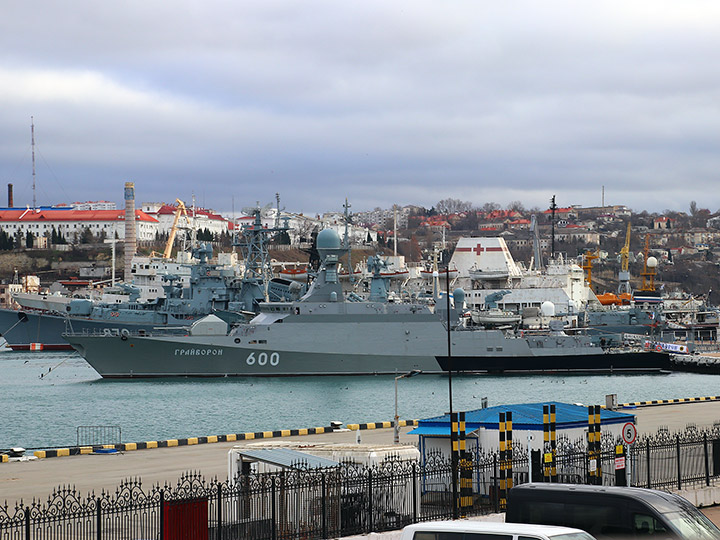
588, 258
181, 210
624, 274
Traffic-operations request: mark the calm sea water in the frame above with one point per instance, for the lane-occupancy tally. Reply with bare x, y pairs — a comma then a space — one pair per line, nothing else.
44, 411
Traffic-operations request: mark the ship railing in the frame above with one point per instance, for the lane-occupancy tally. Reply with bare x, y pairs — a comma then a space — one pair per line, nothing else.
126, 332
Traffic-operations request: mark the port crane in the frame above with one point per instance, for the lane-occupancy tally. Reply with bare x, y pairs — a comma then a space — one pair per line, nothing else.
624, 274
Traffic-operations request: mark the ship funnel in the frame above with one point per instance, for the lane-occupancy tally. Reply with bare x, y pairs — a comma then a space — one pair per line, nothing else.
130, 233
10, 196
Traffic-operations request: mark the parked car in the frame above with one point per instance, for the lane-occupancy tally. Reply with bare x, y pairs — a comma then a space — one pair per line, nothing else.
487, 530
610, 512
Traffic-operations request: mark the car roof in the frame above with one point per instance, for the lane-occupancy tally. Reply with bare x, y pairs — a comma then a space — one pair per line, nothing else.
660, 500
490, 527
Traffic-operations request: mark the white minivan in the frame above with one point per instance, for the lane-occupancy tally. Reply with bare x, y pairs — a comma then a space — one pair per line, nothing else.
488, 530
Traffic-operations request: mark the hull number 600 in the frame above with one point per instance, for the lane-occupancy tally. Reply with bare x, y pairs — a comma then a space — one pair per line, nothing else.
263, 358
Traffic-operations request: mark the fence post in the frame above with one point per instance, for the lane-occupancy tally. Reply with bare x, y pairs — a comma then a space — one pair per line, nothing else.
621, 474
707, 460
324, 506
162, 514
273, 512
219, 512
496, 499
98, 519
370, 501
647, 461
27, 523
677, 446
415, 488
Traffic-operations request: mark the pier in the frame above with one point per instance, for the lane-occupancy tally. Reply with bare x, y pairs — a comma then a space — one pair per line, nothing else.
95, 472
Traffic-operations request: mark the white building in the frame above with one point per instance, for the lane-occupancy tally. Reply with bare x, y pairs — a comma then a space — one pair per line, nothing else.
197, 218
72, 223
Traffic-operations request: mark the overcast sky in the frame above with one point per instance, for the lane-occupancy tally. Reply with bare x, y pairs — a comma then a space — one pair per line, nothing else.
405, 102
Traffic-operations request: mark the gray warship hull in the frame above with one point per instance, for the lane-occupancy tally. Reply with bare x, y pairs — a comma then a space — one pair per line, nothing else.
323, 333
44, 331
343, 348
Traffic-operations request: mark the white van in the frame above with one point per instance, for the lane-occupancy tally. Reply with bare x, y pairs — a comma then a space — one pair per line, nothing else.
488, 530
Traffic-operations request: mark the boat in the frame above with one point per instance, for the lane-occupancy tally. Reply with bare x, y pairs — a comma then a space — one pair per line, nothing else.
322, 333
294, 273
492, 315
211, 288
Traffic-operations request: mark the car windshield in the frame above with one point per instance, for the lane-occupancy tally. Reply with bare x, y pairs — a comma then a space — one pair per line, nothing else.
693, 526
572, 536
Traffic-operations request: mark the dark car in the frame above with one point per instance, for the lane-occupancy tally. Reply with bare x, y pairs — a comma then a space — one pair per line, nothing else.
610, 512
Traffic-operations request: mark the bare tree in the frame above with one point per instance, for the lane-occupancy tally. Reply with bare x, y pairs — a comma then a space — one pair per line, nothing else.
453, 206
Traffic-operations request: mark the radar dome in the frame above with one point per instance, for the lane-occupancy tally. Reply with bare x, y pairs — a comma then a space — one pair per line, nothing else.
459, 297
328, 239
548, 309
652, 262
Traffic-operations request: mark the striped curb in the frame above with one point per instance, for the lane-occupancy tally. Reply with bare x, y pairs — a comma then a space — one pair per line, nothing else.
127, 447
669, 401
381, 425
190, 441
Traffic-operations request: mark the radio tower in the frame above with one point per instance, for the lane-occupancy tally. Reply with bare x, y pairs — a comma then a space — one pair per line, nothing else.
32, 136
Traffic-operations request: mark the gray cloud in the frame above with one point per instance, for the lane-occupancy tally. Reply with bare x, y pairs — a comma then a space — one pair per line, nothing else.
407, 102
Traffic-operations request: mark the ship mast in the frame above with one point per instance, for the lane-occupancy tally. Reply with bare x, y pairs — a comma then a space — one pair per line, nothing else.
347, 206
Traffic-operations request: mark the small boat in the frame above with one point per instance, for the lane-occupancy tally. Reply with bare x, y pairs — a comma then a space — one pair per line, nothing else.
494, 317
296, 273
429, 273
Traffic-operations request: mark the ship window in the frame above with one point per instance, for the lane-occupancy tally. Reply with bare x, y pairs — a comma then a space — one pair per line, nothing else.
262, 340
489, 348
498, 348
253, 342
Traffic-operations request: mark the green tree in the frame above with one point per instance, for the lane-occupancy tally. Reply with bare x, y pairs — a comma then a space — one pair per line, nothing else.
29, 240
86, 236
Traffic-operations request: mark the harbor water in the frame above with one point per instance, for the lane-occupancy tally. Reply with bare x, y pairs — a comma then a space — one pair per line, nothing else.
44, 397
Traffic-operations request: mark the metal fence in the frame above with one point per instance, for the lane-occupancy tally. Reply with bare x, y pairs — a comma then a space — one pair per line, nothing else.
346, 500
98, 435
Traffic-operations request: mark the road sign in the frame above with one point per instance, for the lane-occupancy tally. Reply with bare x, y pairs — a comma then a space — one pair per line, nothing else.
629, 433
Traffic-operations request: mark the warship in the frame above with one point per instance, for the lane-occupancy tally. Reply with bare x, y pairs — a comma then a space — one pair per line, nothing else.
325, 333
211, 288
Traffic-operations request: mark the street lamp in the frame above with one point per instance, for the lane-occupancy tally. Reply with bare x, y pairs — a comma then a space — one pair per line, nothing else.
407, 375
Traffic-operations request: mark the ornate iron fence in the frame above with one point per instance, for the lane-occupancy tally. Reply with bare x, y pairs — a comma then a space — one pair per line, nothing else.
342, 501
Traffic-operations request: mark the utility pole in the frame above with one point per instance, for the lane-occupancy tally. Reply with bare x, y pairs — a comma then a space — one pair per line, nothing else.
32, 136
553, 207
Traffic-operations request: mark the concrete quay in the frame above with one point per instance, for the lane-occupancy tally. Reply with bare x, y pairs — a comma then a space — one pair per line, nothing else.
96, 472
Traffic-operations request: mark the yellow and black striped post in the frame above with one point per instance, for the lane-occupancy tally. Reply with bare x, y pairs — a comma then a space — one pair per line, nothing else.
553, 444
509, 449
594, 446
465, 470
598, 445
502, 488
547, 456
455, 441
591, 445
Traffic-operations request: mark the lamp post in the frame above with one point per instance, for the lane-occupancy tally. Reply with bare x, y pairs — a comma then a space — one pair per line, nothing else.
396, 439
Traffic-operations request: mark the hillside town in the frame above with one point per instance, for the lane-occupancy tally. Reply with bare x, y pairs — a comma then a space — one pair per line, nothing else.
75, 239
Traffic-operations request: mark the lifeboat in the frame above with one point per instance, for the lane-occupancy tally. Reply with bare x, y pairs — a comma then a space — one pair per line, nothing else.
295, 274
609, 299
428, 274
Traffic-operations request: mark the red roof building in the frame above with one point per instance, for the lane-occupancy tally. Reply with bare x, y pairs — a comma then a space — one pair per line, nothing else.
71, 222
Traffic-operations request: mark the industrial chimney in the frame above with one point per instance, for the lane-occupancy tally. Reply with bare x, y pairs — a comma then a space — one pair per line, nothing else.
10, 195
130, 236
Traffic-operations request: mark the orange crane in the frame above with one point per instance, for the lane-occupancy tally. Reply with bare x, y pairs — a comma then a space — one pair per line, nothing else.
181, 210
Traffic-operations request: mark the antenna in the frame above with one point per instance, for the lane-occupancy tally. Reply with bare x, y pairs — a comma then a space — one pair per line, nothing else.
553, 207
32, 135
